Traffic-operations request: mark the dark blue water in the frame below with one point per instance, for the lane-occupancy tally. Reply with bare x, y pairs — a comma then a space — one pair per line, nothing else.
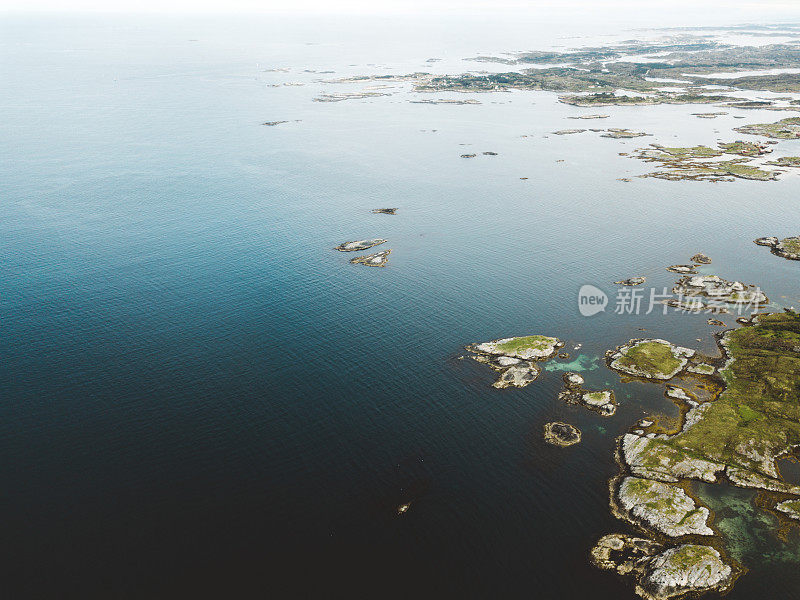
201, 398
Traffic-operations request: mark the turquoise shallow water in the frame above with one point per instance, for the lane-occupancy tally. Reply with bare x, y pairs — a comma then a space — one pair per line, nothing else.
201, 397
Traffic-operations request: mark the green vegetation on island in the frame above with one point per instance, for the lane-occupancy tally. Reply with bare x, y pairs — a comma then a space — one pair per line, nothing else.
651, 359
515, 358
785, 161
788, 247
785, 129
691, 163
611, 99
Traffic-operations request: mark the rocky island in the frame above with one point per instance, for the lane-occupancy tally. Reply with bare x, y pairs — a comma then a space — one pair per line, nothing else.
692, 163
379, 259
561, 434
661, 506
649, 359
785, 129
515, 358
717, 291
602, 402
359, 245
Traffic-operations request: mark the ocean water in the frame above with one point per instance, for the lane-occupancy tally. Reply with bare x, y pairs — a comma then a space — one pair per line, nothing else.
202, 398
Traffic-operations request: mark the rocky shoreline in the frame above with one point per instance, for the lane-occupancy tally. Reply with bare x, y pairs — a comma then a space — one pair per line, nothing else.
788, 248
652, 493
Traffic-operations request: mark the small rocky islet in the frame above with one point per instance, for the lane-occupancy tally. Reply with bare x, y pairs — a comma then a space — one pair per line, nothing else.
683, 269
516, 358
602, 402
701, 259
631, 281
378, 259
649, 359
696, 293
359, 245
659, 573
561, 434
614, 132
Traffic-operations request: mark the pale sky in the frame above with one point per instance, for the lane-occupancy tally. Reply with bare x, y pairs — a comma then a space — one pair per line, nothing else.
758, 11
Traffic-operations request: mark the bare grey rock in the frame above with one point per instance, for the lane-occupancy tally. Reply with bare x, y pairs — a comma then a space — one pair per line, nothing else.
663, 507
684, 569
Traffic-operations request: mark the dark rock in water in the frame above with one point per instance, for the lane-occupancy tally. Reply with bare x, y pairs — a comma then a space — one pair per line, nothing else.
379, 259
385, 211
359, 245
716, 322
490, 153
561, 434
701, 259
468, 155
273, 123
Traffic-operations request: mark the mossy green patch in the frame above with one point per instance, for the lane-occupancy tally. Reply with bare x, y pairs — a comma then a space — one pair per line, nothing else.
655, 358
742, 148
691, 152
786, 161
759, 411
535, 342
687, 556
785, 129
791, 244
